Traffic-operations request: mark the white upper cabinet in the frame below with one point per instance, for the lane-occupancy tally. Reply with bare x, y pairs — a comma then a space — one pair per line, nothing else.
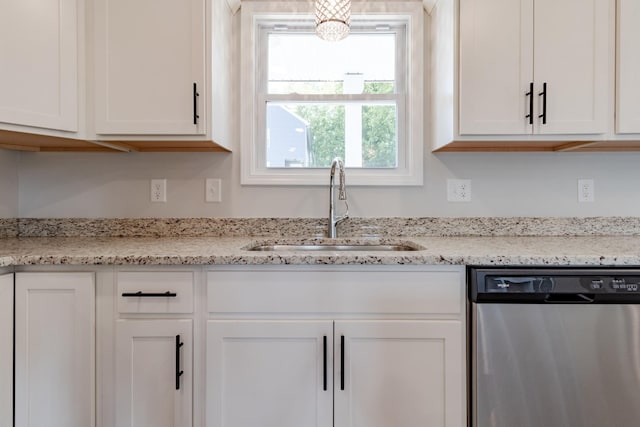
150, 67
571, 56
628, 90
104, 75
534, 66
496, 66
39, 42
162, 74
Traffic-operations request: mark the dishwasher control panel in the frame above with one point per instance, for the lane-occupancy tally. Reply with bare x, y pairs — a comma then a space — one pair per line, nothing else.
621, 284
554, 285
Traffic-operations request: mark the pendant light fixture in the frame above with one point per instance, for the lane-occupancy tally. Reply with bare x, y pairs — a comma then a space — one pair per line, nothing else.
333, 18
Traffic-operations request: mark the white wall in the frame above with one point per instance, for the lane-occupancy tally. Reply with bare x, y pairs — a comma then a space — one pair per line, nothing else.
9, 183
503, 184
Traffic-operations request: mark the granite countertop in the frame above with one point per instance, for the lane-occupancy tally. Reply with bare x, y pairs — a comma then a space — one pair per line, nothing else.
443, 250
589, 241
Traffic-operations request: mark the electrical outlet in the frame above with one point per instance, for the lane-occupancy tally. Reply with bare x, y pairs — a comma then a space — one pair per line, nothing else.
213, 190
158, 190
586, 192
459, 190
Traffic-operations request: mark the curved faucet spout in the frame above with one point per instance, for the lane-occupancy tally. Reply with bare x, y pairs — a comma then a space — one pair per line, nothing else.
342, 195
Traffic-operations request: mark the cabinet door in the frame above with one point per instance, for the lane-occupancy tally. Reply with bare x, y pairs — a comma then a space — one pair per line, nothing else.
628, 90
269, 374
149, 54
572, 56
496, 66
54, 349
149, 357
39, 63
6, 350
399, 373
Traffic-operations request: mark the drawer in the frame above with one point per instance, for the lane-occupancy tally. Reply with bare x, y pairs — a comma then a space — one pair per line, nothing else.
144, 292
385, 292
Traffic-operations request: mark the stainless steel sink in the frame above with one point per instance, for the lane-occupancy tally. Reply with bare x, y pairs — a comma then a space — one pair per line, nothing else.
332, 247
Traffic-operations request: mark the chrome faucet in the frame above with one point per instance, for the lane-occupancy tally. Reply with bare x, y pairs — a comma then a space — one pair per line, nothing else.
342, 195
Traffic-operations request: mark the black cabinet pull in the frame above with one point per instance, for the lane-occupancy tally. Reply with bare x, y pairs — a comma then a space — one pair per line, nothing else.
324, 362
178, 371
195, 104
543, 94
530, 95
151, 294
342, 362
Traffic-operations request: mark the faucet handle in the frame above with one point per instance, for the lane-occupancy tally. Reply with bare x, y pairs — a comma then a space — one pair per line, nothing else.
345, 215
342, 187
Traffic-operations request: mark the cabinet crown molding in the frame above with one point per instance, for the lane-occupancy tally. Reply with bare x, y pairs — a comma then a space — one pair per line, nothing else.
234, 5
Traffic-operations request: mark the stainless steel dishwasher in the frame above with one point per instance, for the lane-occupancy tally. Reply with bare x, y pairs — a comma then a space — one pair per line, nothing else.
555, 347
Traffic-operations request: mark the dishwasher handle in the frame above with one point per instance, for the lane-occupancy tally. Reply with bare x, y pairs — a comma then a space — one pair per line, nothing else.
569, 298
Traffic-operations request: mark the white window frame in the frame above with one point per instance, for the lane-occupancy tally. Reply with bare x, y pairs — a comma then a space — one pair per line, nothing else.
410, 130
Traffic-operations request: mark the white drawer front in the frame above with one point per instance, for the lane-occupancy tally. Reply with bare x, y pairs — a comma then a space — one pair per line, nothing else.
326, 292
179, 285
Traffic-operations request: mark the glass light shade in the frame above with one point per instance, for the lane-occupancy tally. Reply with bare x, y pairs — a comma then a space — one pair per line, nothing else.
332, 19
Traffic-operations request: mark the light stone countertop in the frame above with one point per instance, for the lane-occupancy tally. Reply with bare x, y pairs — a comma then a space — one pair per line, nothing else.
500, 250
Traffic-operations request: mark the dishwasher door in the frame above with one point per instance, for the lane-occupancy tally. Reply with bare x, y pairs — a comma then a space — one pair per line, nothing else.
555, 365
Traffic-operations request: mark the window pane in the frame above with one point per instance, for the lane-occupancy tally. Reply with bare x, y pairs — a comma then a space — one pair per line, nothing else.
312, 134
303, 63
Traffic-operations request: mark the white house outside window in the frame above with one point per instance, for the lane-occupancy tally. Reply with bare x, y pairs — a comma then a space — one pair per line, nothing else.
306, 100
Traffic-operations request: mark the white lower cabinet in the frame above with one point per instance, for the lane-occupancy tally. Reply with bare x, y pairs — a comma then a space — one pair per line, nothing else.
369, 364
269, 374
254, 346
398, 373
154, 373
146, 356
54, 349
378, 373
6, 350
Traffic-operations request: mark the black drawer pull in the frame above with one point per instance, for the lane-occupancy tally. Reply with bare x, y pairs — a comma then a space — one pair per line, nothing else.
530, 95
150, 295
324, 362
342, 362
195, 104
178, 371
543, 94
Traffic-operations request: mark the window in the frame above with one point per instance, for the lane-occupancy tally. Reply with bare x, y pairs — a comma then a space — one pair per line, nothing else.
306, 101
